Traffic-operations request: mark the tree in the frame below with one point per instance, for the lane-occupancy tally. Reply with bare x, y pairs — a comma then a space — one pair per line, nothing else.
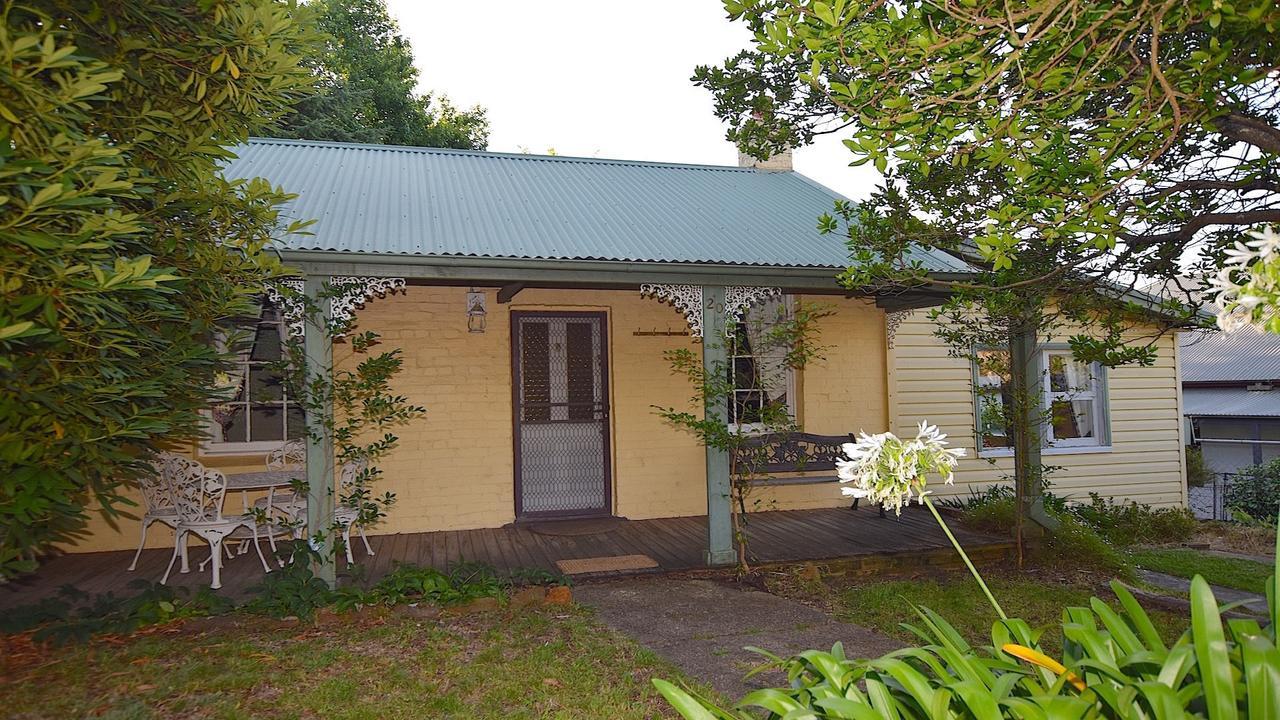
365, 90
123, 247
1069, 149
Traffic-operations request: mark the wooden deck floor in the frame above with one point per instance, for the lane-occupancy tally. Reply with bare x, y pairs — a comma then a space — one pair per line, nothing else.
675, 543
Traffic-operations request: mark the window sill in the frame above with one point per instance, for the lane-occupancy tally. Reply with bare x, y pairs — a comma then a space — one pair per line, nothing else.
238, 449
1067, 450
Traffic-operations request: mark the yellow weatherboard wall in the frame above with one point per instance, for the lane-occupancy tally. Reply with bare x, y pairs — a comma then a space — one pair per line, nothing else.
1144, 464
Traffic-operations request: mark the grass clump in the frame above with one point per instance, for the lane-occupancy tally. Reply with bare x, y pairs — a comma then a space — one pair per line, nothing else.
373, 664
1229, 572
1037, 599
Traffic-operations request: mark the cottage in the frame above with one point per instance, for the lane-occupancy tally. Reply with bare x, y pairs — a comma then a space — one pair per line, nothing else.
534, 297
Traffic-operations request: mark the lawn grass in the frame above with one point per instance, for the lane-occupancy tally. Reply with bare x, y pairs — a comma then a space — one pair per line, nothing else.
884, 605
548, 663
1229, 572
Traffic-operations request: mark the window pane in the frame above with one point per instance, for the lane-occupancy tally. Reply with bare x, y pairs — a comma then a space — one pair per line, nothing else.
296, 424
758, 366
746, 406
1067, 375
993, 395
1072, 419
232, 423
266, 423
265, 384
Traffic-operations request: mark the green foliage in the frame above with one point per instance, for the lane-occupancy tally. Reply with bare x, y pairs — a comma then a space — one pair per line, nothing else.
1255, 490
1115, 133
1229, 572
366, 87
1101, 523
1198, 472
357, 408
1037, 598
529, 577
293, 590
1075, 543
1129, 523
123, 247
464, 581
1114, 664
74, 616
1067, 151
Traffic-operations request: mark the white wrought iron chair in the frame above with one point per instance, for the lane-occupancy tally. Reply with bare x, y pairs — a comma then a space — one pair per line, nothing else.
197, 493
156, 499
348, 516
290, 456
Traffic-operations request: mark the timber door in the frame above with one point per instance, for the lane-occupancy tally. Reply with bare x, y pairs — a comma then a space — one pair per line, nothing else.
561, 404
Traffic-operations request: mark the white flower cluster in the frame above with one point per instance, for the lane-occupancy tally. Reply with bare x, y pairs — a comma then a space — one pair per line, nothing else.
887, 470
1254, 301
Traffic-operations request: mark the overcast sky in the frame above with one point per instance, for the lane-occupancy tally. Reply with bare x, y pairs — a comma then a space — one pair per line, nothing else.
595, 79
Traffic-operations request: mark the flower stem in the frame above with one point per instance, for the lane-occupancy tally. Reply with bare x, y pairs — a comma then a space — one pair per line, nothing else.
964, 556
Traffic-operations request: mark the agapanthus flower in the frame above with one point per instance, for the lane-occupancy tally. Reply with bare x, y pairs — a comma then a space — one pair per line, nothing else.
889, 471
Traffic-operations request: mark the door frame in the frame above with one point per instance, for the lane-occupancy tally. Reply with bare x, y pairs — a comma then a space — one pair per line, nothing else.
607, 420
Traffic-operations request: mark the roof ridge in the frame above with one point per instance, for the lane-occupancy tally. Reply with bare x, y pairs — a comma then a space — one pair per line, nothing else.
257, 140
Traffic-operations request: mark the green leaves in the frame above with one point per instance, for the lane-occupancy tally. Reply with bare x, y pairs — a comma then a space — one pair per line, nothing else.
1115, 665
124, 248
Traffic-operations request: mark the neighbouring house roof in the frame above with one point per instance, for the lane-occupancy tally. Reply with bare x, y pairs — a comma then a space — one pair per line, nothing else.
1246, 355
1230, 402
433, 202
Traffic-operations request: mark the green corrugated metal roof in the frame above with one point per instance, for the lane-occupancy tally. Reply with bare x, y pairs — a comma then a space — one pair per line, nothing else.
434, 202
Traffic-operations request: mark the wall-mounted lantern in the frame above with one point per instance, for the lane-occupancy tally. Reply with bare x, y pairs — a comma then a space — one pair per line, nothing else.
477, 309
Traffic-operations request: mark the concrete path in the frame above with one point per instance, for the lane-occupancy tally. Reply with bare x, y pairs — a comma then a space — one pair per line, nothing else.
702, 626
1254, 602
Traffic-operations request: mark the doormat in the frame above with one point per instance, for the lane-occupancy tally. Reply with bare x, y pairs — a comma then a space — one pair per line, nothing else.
574, 528
614, 563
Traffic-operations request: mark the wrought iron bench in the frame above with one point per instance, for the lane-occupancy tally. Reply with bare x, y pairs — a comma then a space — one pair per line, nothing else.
798, 452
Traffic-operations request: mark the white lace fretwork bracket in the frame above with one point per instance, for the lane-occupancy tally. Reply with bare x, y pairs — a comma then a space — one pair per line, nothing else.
688, 300
349, 294
892, 321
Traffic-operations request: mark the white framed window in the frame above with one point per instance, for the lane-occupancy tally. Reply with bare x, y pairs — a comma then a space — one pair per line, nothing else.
758, 366
1072, 394
257, 415
1072, 399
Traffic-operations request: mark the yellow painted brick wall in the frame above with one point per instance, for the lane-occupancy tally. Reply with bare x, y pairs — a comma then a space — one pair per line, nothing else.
845, 392
453, 469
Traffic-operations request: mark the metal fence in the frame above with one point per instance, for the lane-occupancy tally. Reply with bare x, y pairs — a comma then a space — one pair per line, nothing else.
1208, 501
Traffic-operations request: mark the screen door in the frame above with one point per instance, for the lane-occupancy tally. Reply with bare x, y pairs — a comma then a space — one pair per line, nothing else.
561, 414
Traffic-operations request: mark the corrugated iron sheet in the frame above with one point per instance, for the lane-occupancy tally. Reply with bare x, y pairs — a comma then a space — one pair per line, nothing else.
426, 201
1230, 402
1243, 356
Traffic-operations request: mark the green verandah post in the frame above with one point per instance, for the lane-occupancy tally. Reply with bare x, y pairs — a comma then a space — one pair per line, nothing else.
714, 356
318, 349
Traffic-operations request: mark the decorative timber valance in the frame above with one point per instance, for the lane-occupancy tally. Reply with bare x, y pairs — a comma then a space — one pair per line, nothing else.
348, 295
688, 300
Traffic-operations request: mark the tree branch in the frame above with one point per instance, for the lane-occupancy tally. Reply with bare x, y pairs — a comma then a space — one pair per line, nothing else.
1188, 230
1252, 131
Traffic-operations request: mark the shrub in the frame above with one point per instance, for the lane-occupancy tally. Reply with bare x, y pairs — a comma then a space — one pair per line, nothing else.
1116, 523
1075, 543
294, 590
74, 615
1256, 490
1198, 472
1129, 523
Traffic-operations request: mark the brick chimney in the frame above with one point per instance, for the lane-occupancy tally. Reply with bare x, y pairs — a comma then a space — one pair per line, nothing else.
780, 162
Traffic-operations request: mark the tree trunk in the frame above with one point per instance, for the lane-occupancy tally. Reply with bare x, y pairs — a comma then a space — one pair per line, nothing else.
1026, 430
